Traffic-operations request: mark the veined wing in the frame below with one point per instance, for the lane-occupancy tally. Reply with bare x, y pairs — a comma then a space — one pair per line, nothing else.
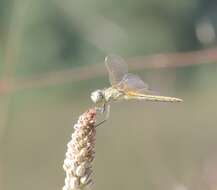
117, 68
133, 83
134, 87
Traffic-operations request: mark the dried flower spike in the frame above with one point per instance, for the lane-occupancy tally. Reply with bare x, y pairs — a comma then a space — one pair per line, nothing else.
80, 153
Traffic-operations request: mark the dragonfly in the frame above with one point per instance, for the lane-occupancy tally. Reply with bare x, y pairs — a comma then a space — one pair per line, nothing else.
124, 86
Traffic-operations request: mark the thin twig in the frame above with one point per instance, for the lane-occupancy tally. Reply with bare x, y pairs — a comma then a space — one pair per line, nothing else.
11, 57
169, 60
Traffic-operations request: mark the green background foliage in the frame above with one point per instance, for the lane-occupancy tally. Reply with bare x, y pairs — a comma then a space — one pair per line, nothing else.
143, 145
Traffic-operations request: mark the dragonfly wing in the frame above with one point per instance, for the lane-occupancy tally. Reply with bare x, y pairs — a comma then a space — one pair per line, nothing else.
117, 68
133, 83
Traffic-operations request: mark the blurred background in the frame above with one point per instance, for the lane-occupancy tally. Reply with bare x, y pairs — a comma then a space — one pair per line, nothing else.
51, 59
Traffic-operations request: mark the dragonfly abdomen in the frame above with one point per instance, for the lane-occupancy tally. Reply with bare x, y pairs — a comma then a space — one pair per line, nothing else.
153, 98
160, 98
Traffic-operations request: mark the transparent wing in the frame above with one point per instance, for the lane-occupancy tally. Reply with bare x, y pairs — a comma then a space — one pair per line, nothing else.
131, 82
117, 68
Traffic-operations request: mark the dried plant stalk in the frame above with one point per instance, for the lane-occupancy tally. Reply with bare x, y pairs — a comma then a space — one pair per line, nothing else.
80, 153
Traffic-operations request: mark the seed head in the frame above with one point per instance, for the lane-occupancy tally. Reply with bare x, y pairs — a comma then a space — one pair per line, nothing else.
80, 153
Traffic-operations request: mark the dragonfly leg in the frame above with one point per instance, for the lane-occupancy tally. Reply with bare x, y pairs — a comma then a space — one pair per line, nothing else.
106, 108
107, 112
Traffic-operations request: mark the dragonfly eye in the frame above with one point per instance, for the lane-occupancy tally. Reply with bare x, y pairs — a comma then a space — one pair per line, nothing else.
97, 96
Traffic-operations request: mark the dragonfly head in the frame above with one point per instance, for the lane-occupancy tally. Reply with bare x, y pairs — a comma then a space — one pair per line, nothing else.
97, 97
